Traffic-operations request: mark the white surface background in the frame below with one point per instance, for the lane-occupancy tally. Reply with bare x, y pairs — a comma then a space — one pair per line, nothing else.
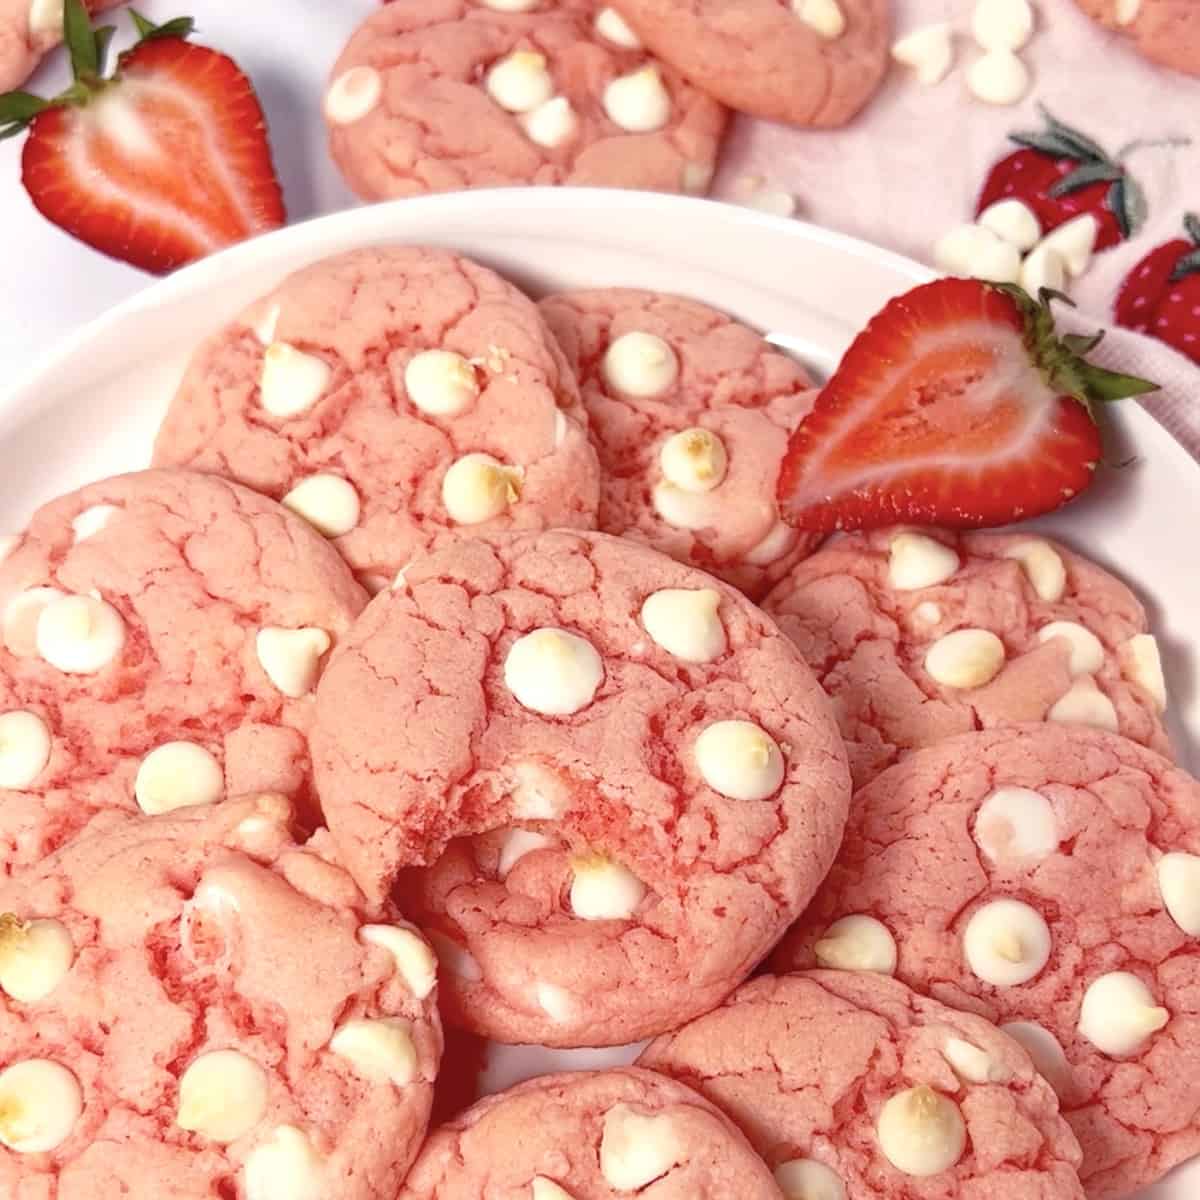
51, 284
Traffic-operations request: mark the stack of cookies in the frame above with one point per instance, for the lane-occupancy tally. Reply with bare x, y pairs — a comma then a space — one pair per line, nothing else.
609, 738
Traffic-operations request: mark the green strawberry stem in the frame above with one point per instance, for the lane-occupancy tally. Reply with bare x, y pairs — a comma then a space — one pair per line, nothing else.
1189, 264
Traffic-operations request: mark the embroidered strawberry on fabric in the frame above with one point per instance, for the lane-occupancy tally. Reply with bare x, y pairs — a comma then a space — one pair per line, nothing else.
1062, 174
1161, 295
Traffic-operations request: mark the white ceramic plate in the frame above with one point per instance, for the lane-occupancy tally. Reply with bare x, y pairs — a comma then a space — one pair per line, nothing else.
92, 408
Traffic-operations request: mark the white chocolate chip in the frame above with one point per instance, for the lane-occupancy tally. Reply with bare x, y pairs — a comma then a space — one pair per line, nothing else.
266, 324
971, 1063
857, 943
520, 82
177, 775
381, 1051
1087, 651
92, 520
613, 27
512, 6
35, 957
1142, 663
974, 252
478, 488
292, 657
1126, 12
556, 1002
542, 1188
455, 957
603, 890
291, 381
1042, 1047
222, 1096
685, 510
774, 201
1014, 221
1016, 824
1118, 1015
929, 51
825, 16
921, 1132
998, 77
780, 538
285, 1166
640, 364
967, 658
1179, 883
1006, 943
1044, 267
327, 502
8, 543
1085, 704
740, 760
413, 956
79, 635
917, 561
807, 1179
551, 124
638, 102
46, 18
694, 460
1074, 241
1002, 24
686, 623
635, 1150
928, 612
441, 383
24, 748
21, 616
518, 843
40, 1102
537, 794
553, 672
1044, 567
353, 95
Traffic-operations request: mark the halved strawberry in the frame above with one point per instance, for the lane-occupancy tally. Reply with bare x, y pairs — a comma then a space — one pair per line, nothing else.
161, 164
958, 405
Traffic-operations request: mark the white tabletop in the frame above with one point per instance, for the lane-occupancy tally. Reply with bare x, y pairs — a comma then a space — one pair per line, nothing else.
50, 284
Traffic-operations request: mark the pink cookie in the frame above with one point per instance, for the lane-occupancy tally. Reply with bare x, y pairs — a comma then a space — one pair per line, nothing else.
194, 1007
848, 1084
397, 397
643, 777
882, 619
1048, 879
162, 633
806, 62
437, 95
591, 1136
691, 413
29, 29
1166, 32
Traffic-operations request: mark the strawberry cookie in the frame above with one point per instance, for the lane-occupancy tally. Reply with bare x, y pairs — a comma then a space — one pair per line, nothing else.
397, 398
591, 1136
163, 1031
161, 636
437, 95
918, 636
690, 413
30, 29
642, 778
1166, 32
848, 1084
806, 62
1049, 880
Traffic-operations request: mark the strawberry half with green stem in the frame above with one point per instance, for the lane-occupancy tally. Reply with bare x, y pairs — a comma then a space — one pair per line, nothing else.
1161, 295
159, 164
1061, 174
958, 405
